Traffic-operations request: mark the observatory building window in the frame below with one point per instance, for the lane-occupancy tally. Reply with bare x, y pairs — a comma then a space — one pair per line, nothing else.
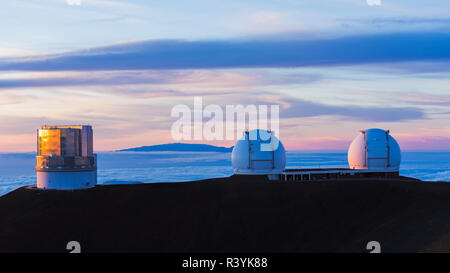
49, 142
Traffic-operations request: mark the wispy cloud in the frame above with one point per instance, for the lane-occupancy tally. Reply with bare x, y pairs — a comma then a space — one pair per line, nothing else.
436, 143
211, 78
408, 20
303, 108
178, 54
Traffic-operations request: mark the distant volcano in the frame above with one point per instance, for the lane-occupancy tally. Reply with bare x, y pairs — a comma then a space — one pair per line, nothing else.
179, 147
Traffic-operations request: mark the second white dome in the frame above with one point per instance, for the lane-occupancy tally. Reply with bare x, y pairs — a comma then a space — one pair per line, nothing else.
374, 149
258, 152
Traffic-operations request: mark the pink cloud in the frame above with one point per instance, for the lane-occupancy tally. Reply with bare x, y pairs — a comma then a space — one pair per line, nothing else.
434, 143
26, 142
317, 143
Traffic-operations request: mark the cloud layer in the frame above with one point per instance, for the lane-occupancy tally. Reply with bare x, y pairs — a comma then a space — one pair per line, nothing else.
126, 91
269, 52
302, 108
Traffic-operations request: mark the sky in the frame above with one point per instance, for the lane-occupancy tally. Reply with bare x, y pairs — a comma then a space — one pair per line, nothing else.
335, 67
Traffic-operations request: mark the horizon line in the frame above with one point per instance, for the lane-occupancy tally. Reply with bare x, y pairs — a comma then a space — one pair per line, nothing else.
298, 151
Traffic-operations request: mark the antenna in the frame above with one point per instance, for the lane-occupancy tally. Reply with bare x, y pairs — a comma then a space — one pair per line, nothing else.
388, 161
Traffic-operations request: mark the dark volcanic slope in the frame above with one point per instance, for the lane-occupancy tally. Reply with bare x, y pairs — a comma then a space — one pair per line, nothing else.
238, 214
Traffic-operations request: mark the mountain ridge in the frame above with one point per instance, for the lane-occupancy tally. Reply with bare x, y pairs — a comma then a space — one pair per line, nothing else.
178, 147
237, 214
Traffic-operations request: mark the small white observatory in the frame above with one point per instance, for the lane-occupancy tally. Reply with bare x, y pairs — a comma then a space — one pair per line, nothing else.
258, 152
65, 158
374, 149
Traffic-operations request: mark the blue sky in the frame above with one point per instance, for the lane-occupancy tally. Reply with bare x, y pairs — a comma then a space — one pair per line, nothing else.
48, 26
335, 67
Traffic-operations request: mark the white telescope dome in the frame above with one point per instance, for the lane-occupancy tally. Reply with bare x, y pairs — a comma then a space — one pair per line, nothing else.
258, 152
374, 149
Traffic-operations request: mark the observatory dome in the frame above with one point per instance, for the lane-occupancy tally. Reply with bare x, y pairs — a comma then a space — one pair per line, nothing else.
258, 152
374, 149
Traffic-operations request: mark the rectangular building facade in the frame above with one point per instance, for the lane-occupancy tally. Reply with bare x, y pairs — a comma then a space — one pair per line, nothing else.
65, 141
65, 148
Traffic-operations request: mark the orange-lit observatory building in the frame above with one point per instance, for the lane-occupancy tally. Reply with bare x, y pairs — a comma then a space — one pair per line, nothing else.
65, 158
